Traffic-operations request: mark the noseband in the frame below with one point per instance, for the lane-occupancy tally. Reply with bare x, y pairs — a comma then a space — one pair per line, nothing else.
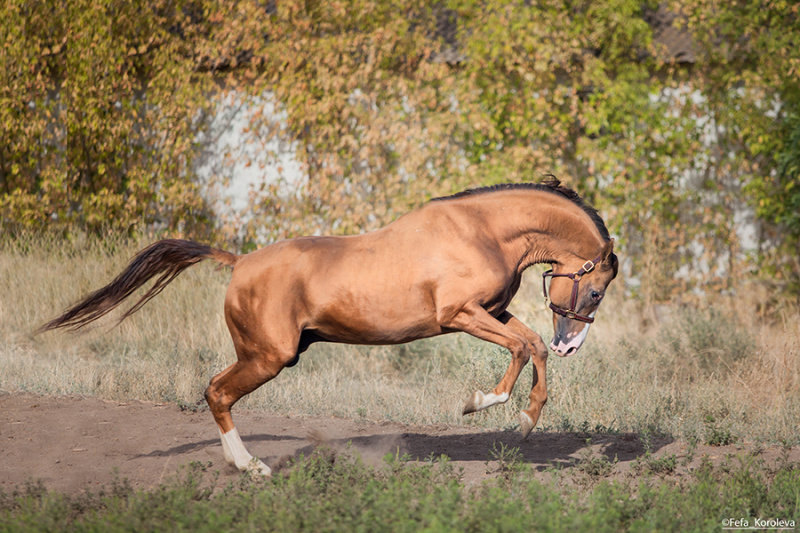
571, 313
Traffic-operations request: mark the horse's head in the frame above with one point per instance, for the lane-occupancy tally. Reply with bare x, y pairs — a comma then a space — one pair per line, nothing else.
576, 290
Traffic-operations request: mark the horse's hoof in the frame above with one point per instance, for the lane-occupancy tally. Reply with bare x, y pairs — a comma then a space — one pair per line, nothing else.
525, 424
474, 403
257, 467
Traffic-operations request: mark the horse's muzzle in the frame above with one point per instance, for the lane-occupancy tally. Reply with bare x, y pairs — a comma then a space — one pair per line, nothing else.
561, 349
567, 339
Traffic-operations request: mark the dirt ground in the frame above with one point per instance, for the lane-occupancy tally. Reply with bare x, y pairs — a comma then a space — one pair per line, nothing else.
73, 444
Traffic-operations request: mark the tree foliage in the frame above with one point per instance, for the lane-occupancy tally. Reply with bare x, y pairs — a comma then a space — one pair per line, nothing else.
98, 111
751, 74
386, 104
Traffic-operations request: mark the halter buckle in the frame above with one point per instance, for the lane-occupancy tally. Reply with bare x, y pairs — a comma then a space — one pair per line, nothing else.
588, 268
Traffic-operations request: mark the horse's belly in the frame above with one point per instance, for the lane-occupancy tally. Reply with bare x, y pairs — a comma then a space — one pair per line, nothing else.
360, 323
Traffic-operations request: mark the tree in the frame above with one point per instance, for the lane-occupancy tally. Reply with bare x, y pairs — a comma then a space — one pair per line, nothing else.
750, 72
99, 106
388, 103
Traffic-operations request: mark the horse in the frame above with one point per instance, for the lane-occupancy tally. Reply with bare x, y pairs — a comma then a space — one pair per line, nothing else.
453, 264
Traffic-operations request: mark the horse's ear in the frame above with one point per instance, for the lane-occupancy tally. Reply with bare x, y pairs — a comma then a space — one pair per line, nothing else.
608, 249
609, 260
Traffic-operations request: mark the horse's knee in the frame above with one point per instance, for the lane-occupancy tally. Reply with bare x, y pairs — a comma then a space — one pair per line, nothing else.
539, 348
521, 351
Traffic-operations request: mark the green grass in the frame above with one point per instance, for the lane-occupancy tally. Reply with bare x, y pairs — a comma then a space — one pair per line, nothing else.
701, 363
337, 492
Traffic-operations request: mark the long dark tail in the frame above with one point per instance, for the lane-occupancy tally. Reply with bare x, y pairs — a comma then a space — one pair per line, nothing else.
165, 259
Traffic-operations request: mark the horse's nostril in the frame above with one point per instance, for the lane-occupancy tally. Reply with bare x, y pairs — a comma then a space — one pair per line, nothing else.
572, 350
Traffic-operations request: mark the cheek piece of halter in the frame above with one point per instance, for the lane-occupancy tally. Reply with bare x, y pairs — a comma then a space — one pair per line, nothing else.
571, 313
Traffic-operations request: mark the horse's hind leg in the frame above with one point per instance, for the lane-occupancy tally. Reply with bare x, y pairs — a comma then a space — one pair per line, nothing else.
225, 389
230, 385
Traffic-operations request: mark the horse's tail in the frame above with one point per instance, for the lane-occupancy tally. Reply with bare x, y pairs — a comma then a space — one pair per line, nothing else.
166, 259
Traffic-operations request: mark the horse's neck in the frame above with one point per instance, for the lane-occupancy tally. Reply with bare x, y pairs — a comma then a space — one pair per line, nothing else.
541, 228
553, 248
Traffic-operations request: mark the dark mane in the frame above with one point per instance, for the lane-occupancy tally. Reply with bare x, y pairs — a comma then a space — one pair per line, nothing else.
550, 184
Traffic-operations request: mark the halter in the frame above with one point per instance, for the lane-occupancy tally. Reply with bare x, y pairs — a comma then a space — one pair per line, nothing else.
571, 313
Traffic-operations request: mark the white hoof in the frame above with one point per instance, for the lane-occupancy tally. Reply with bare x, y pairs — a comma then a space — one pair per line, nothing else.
257, 467
480, 401
237, 455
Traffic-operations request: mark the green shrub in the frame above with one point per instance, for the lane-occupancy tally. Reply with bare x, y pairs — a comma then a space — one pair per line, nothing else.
337, 492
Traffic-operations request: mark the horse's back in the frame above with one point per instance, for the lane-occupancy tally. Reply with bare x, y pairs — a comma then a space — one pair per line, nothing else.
384, 286
349, 289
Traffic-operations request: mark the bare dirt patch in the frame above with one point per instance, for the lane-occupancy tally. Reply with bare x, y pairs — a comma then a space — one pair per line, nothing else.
73, 444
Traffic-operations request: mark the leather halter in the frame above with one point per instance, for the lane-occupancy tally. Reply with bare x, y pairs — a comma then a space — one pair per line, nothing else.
571, 313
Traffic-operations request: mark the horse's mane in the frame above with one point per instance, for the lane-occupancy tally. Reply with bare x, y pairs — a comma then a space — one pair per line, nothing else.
550, 184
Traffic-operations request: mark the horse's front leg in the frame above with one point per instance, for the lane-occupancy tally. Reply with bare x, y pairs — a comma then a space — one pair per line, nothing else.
538, 396
528, 417
476, 321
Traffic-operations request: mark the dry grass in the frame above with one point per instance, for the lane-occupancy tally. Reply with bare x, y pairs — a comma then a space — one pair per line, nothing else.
695, 372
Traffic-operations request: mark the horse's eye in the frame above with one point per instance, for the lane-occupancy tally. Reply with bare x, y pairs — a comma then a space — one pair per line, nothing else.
596, 296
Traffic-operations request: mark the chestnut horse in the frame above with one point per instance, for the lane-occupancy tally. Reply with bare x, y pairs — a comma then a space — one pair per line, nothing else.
452, 265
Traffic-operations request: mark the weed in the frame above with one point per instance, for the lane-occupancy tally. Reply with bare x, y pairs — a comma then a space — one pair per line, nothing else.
595, 465
565, 425
649, 464
692, 441
717, 434
508, 459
